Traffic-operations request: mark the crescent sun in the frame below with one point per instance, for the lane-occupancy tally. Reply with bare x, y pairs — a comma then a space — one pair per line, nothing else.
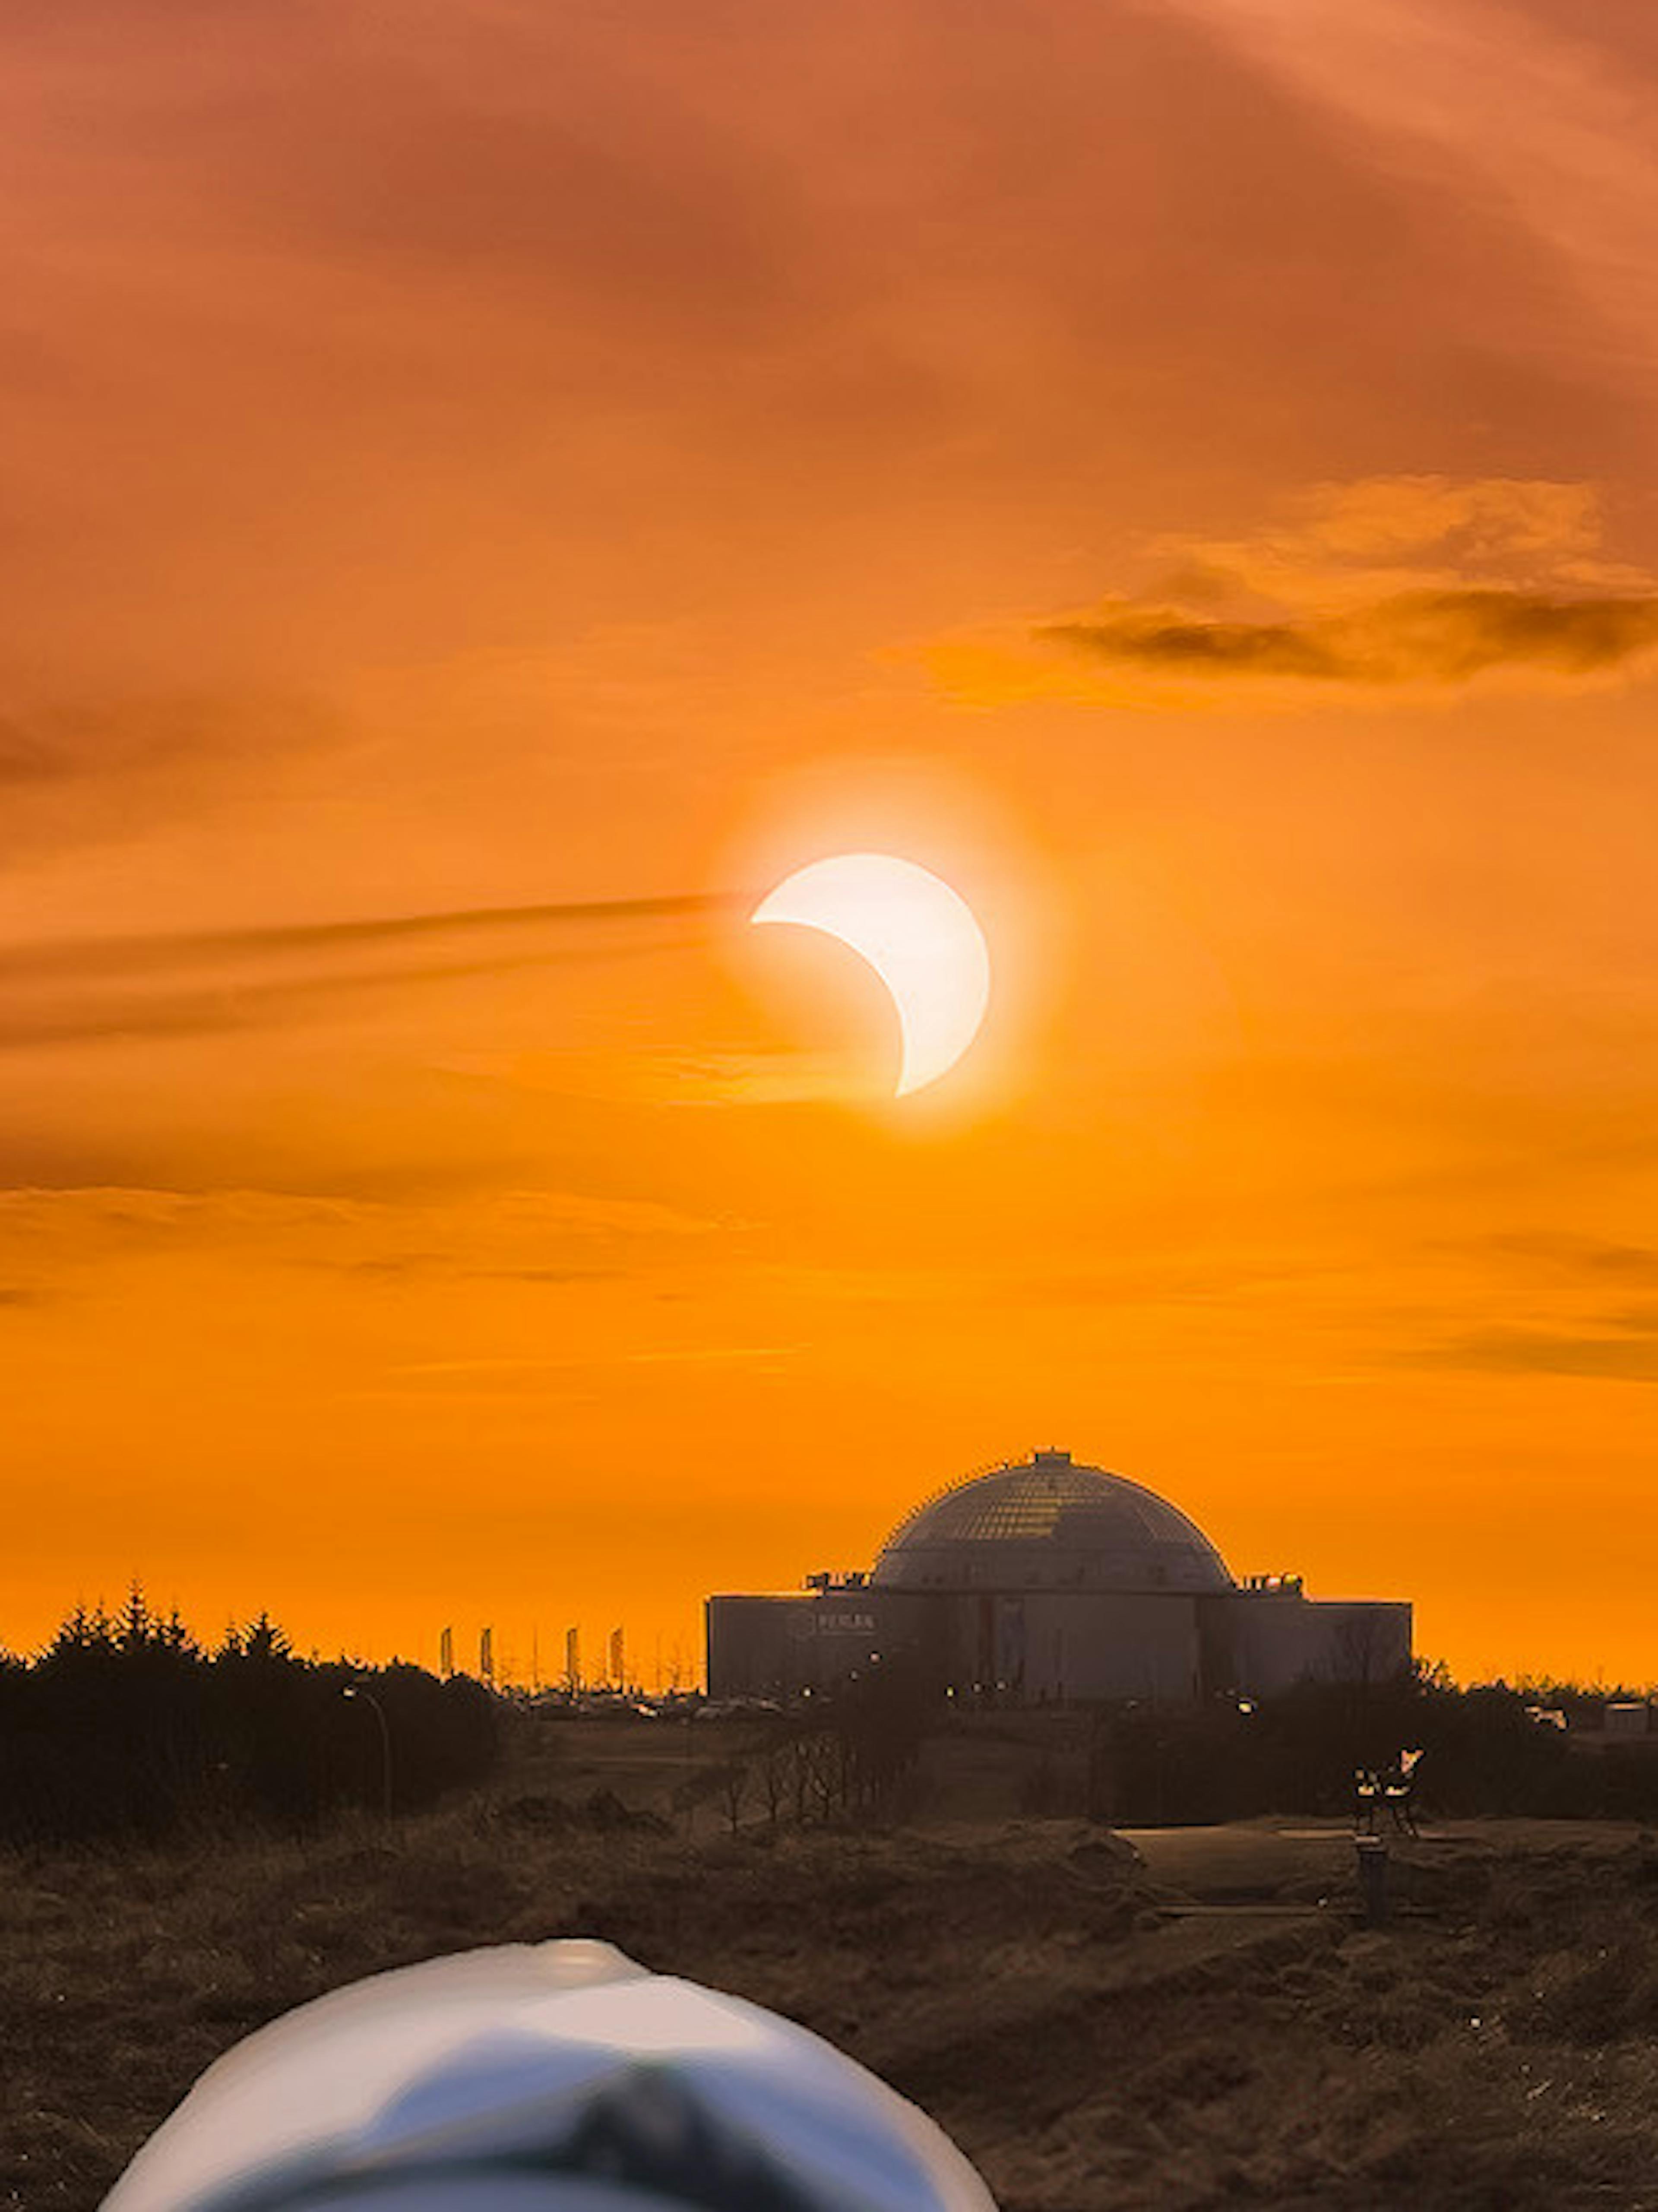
922, 938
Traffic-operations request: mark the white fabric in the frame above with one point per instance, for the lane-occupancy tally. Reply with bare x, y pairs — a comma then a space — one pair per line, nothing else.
514, 2051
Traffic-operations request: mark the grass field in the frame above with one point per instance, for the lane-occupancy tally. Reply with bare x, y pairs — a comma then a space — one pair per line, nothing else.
1202, 2021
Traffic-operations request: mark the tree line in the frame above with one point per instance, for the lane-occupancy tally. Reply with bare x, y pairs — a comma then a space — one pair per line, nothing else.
126, 1726
1484, 1753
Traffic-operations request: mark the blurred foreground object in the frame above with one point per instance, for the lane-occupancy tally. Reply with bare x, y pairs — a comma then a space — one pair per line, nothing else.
551, 2077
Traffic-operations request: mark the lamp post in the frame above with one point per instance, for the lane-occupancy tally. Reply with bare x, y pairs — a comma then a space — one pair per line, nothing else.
360, 1691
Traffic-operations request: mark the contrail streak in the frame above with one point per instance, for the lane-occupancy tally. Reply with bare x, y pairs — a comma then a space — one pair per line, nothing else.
79, 957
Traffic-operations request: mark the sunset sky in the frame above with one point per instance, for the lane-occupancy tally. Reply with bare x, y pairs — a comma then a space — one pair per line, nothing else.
490, 487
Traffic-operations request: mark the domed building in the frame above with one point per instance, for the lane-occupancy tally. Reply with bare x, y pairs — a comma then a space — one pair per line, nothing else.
1047, 1523
1045, 1581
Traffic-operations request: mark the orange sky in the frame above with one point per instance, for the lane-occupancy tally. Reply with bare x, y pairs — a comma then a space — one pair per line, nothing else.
1183, 471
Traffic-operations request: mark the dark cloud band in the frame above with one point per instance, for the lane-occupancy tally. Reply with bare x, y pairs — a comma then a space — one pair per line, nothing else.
163, 951
194, 983
1428, 636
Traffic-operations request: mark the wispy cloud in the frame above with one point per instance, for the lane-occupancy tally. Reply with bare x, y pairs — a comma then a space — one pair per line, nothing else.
125, 1018
180, 949
525, 1235
70, 741
1550, 121
1589, 1259
79, 770
515, 1376
1628, 1356
75, 991
758, 1076
1416, 585
1578, 1304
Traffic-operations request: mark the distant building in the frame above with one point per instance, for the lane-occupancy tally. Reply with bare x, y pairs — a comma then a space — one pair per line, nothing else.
1045, 1581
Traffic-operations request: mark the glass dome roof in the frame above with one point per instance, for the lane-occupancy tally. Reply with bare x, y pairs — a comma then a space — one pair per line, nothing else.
1046, 1523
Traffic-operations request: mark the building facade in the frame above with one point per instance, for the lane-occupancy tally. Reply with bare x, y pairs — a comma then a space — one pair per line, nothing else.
1044, 1581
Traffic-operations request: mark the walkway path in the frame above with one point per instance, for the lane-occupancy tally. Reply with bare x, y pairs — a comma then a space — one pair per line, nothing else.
1249, 1860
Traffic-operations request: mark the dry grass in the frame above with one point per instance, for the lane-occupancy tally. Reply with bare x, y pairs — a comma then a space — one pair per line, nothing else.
1496, 2049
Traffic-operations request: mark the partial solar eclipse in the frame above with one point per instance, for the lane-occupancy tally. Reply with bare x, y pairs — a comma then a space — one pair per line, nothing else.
919, 936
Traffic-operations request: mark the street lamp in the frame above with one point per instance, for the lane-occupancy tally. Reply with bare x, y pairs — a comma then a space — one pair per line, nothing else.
361, 1690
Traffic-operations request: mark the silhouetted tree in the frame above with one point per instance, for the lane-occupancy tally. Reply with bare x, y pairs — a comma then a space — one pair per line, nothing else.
878, 1722
126, 1727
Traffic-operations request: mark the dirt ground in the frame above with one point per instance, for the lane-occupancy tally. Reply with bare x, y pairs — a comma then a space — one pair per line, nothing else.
1177, 2019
